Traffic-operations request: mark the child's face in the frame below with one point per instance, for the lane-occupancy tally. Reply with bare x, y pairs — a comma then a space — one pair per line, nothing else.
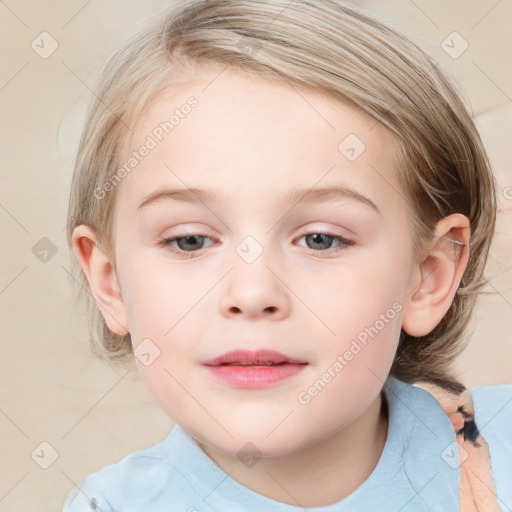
254, 281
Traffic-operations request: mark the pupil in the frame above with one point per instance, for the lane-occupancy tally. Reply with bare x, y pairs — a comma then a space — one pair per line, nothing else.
319, 238
188, 240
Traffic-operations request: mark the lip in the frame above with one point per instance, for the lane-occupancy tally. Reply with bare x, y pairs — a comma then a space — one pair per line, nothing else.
253, 369
252, 357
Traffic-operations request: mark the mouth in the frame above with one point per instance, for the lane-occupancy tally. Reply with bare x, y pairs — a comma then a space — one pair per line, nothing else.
247, 369
254, 365
258, 358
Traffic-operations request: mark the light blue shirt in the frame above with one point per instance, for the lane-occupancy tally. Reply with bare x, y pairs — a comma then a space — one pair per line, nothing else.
418, 470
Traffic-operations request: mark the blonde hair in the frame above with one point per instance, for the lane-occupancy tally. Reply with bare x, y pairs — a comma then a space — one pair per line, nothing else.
333, 48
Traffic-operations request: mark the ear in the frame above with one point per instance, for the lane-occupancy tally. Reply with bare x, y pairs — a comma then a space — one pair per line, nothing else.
102, 278
439, 275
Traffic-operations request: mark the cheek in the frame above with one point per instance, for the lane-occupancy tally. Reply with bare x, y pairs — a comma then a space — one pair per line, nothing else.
358, 293
162, 307
154, 298
362, 307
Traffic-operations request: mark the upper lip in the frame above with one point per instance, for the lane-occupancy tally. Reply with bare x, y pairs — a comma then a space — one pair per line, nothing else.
250, 357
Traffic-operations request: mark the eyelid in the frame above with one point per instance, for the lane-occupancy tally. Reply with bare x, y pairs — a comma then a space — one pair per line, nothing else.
168, 241
328, 233
345, 243
319, 227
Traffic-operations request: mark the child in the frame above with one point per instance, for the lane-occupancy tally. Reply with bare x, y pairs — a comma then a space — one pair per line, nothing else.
283, 211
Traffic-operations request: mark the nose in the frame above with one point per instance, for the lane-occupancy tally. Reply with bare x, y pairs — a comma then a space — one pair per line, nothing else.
255, 291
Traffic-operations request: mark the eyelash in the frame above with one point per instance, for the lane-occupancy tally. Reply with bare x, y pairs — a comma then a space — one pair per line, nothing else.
167, 243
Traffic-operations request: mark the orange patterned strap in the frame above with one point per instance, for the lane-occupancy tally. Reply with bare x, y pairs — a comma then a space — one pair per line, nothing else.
477, 489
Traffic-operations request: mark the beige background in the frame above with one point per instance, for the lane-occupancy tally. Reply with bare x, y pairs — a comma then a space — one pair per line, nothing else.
54, 390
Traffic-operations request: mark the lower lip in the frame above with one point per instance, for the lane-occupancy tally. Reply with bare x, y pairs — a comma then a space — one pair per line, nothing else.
255, 376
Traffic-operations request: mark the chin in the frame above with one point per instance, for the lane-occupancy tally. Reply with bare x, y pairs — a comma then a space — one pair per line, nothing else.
253, 444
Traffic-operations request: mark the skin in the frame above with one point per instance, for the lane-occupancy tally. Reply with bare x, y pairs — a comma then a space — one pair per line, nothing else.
252, 140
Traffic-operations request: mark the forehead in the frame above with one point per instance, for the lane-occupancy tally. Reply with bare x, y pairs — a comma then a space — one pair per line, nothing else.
229, 131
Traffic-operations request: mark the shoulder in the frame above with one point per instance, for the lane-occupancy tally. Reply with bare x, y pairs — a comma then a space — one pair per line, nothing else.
493, 418
493, 411
493, 399
134, 480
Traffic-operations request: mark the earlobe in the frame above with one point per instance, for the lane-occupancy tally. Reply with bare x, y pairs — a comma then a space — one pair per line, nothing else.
101, 277
439, 274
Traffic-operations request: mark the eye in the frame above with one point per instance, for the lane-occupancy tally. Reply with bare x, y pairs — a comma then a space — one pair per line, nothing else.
318, 242
186, 244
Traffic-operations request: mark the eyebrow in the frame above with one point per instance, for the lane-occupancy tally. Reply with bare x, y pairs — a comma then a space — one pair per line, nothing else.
296, 195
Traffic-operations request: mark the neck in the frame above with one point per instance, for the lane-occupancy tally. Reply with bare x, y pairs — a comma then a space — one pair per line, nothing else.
318, 475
